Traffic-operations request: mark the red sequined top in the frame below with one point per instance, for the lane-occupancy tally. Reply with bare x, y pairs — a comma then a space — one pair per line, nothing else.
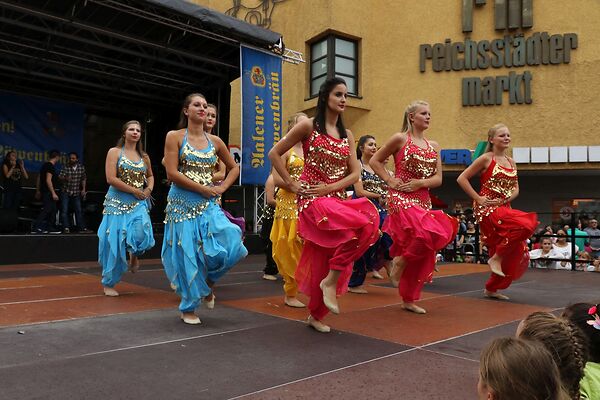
497, 182
412, 162
325, 161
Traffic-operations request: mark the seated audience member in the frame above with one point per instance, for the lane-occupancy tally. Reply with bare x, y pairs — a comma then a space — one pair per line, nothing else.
584, 262
549, 231
515, 369
581, 237
564, 249
585, 316
539, 257
565, 342
594, 233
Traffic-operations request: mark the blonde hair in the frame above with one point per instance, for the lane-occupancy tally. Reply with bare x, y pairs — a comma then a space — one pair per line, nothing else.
412, 107
491, 134
564, 341
293, 120
520, 369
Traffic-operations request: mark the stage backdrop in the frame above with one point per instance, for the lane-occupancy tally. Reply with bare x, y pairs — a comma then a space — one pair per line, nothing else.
261, 112
31, 126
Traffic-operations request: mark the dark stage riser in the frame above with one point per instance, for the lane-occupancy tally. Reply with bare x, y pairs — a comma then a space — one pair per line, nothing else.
48, 248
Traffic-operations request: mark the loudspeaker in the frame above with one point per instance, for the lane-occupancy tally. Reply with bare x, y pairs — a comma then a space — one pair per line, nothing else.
8, 220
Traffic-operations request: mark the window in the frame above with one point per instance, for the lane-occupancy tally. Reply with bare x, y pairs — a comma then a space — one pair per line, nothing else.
334, 56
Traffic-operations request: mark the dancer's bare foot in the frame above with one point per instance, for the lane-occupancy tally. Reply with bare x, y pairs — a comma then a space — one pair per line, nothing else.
358, 289
495, 295
376, 275
329, 297
190, 318
495, 264
110, 292
398, 265
293, 302
414, 308
318, 325
134, 263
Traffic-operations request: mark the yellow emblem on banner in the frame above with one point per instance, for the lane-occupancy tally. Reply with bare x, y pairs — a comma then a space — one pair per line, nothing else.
257, 77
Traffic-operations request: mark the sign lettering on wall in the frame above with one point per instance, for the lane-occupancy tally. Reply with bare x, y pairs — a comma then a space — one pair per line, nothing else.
510, 51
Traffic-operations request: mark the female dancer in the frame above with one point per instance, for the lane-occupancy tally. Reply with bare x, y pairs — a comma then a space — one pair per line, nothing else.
373, 188
270, 270
287, 246
200, 244
417, 232
220, 169
504, 230
336, 231
126, 225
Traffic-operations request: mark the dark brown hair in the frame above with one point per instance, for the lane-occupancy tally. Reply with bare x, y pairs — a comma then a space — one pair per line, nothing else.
183, 119
361, 143
578, 315
324, 91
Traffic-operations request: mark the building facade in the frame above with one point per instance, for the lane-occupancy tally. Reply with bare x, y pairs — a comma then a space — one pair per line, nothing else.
530, 64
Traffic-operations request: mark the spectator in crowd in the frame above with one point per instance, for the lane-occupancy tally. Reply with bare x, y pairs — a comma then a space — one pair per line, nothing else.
540, 257
511, 368
581, 237
585, 316
584, 262
46, 189
594, 233
564, 249
13, 172
470, 240
73, 193
549, 231
565, 342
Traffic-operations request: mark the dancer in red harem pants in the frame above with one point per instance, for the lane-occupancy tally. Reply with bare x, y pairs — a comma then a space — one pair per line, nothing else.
336, 231
417, 231
504, 230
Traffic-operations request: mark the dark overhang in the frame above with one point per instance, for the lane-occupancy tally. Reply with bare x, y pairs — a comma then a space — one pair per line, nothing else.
121, 54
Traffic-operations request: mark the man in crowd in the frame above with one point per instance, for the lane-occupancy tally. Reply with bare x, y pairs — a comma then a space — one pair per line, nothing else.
46, 220
593, 230
72, 194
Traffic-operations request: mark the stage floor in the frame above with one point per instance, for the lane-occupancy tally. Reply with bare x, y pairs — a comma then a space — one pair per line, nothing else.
61, 338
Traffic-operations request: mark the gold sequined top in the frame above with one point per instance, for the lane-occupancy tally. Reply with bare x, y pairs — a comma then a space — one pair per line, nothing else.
132, 173
325, 161
497, 182
287, 204
373, 183
412, 162
198, 165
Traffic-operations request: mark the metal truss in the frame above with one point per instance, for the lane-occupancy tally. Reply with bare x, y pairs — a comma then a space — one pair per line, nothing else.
107, 51
261, 204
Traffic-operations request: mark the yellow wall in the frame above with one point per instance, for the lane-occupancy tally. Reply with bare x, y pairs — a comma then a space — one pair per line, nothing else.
565, 97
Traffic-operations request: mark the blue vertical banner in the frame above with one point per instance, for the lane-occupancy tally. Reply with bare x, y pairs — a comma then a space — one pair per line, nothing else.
261, 112
31, 126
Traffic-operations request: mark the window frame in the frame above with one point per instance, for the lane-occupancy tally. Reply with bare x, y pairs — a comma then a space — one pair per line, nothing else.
330, 56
